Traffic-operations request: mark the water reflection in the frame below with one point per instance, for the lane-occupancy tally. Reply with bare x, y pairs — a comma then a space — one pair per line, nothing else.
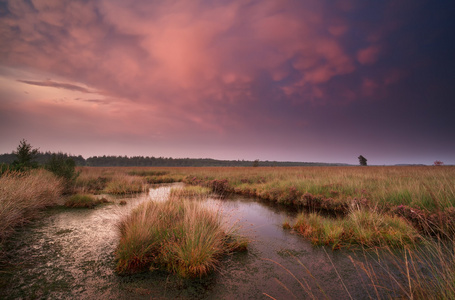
69, 254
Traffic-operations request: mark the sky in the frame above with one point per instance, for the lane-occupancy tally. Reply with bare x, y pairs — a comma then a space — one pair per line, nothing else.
287, 80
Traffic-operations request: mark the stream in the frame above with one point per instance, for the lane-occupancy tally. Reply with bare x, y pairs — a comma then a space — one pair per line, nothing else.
69, 254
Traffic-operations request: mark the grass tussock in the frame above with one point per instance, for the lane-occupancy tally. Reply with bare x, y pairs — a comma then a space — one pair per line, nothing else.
120, 185
82, 201
360, 227
23, 195
190, 192
92, 180
182, 237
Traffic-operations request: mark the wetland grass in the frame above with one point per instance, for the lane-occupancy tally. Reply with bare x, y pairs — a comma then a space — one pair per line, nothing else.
365, 228
427, 188
82, 201
182, 237
23, 195
121, 185
144, 172
426, 272
423, 195
191, 192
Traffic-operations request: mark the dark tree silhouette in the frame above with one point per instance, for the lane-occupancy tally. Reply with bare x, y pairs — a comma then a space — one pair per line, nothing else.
25, 156
438, 163
362, 160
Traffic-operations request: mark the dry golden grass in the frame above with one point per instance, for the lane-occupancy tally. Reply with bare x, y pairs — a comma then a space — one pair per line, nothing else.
431, 188
23, 195
361, 227
183, 237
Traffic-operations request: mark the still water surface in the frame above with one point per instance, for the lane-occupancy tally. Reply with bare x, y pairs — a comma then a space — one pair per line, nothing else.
69, 254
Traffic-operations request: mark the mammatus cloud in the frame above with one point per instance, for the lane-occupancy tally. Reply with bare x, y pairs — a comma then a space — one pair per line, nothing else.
209, 68
184, 51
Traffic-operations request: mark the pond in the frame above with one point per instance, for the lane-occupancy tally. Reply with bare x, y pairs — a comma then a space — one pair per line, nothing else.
69, 253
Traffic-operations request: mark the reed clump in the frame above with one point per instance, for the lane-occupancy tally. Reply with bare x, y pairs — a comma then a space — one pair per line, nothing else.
23, 195
92, 180
427, 272
82, 201
359, 227
190, 192
120, 185
182, 237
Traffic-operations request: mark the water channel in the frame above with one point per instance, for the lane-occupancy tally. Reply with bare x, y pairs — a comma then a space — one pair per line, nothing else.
69, 254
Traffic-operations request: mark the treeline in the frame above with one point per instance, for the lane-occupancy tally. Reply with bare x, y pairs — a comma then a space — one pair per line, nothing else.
43, 157
141, 161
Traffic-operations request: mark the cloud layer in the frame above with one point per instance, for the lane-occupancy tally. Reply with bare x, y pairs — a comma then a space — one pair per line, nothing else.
222, 73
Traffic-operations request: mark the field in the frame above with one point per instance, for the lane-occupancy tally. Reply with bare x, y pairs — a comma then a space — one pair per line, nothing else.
424, 195
356, 208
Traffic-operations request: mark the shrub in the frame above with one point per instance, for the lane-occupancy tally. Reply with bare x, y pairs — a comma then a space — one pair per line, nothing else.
63, 167
4, 168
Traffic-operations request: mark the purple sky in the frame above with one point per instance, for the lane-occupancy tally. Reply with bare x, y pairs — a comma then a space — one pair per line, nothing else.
288, 80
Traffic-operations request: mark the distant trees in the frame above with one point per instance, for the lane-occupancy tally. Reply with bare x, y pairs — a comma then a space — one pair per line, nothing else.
26, 158
25, 155
362, 160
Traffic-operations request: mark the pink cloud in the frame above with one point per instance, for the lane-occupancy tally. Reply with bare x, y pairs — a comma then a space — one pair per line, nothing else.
369, 86
369, 55
181, 67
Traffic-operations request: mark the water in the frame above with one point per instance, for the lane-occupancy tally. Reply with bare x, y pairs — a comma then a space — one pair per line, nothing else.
69, 253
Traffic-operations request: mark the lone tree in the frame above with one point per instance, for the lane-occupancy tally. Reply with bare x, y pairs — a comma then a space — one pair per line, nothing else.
362, 160
25, 156
438, 163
